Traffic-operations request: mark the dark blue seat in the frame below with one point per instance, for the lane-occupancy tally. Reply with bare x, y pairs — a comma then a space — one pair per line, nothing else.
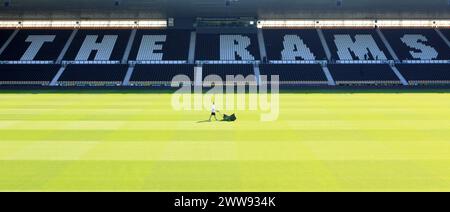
229, 69
446, 33
367, 74
299, 74
4, 35
27, 74
147, 75
237, 72
424, 74
93, 75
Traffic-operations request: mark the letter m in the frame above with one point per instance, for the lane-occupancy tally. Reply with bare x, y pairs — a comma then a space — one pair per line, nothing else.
362, 47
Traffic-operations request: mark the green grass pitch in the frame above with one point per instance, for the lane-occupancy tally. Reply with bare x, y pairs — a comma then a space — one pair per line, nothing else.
136, 142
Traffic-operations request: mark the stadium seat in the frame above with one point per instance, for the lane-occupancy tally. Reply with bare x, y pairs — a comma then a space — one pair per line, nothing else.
355, 44
115, 42
4, 35
363, 74
22, 75
276, 39
426, 74
175, 47
208, 47
417, 44
227, 70
295, 74
47, 45
446, 33
159, 75
93, 75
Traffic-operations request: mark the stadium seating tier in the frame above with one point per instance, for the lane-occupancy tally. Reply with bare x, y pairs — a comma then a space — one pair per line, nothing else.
417, 44
174, 44
25, 61
304, 74
27, 74
229, 69
363, 74
234, 47
93, 75
426, 74
113, 40
4, 35
339, 40
49, 45
147, 75
446, 33
277, 40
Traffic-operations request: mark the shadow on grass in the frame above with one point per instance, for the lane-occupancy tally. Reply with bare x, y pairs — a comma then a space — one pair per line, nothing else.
205, 121
208, 121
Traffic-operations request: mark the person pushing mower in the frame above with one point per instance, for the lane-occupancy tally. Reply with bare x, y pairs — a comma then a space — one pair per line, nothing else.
213, 112
225, 116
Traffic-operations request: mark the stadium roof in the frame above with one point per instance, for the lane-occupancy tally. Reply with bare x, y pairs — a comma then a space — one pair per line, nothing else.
268, 9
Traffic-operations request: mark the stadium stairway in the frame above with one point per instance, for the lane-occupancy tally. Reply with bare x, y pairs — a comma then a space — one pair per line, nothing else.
55, 79
126, 81
127, 52
328, 75
324, 43
7, 37
445, 39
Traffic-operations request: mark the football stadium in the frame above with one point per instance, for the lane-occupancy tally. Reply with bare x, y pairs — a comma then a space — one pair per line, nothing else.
224, 95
